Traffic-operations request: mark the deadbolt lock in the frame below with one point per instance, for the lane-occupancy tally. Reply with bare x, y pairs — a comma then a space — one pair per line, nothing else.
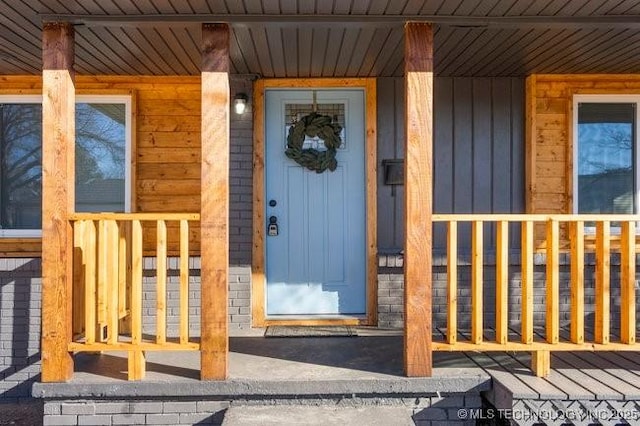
272, 228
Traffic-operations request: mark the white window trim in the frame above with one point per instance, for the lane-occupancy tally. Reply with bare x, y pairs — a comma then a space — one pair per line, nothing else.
622, 98
95, 99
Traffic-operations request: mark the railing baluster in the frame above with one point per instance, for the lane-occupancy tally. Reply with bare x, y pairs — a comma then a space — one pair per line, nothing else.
577, 282
553, 282
627, 283
79, 253
161, 284
136, 362
526, 260
452, 282
122, 269
602, 281
112, 281
103, 277
477, 260
502, 282
125, 323
184, 281
136, 282
90, 278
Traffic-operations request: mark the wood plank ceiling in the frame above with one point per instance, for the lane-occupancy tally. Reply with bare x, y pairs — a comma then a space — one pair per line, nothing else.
588, 43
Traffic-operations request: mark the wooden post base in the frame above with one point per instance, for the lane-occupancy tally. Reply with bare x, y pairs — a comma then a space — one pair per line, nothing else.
136, 365
541, 363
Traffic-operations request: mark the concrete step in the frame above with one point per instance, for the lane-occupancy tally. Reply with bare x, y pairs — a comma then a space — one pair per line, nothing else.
296, 415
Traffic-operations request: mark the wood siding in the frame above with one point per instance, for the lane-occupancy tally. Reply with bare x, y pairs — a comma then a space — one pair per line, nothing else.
166, 154
478, 153
549, 134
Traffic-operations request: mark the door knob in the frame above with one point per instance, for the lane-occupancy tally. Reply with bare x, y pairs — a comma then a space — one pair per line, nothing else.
273, 203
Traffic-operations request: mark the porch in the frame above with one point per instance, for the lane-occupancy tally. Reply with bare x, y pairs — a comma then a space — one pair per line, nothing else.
527, 284
155, 289
344, 373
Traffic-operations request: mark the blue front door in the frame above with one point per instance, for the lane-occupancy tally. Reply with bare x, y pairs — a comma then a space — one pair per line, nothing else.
316, 264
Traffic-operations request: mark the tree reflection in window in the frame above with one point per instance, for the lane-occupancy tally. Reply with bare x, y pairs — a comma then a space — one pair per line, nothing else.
606, 165
20, 166
100, 161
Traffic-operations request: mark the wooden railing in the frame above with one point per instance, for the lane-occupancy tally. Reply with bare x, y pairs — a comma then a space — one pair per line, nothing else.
108, 284
549, 234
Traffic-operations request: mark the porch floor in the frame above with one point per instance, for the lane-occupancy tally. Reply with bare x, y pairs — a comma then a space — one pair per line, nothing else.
368, 365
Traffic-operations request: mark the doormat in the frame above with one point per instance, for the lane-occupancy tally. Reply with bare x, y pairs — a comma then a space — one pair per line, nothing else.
310, 331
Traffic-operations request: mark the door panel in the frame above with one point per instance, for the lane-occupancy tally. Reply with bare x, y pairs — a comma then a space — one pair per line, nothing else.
316, 265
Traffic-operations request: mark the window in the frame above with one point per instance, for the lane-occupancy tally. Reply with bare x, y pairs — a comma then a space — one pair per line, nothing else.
103, 173
605, 154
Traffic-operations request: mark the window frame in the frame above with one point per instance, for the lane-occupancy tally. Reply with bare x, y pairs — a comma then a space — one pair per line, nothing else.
606, 98
125, 99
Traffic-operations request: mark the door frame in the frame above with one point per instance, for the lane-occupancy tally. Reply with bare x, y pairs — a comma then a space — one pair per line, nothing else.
258, 276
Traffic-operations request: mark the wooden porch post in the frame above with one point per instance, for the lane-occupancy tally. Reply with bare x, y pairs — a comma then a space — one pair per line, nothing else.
418, 181
214, 208
58, 177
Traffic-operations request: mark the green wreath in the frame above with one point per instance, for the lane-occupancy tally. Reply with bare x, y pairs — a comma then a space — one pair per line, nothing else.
314, 125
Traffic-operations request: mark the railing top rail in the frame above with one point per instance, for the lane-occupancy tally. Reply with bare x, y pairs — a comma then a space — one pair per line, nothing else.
134, 216
535, 217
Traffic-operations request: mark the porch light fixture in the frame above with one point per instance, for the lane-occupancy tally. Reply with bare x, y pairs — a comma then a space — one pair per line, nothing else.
240, 103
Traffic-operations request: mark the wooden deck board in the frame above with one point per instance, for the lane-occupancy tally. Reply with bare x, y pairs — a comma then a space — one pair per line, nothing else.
635, 358
602, 374
564, 368
575, 376
631, 367
544, 388
611, 365
511, 382
573, 389
525, 385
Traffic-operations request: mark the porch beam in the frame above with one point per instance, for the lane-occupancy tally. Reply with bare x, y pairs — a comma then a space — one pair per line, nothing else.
497, 22
58, 177
418, 181
214, 207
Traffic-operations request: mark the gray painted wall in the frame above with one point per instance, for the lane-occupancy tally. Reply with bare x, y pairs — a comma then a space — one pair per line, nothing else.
478, 152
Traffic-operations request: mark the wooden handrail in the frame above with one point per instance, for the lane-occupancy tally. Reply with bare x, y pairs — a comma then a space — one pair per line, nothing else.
135, 216
535, 217
551, 231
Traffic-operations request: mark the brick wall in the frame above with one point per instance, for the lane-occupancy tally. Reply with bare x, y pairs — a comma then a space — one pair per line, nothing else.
20, 296
424, 409
239, 297
391, 291
139, 412
241, 179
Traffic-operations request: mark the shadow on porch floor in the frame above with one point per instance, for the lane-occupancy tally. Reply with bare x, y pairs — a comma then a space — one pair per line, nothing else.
373, 355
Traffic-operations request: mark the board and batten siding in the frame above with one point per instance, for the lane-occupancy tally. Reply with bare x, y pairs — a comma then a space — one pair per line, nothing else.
479, 152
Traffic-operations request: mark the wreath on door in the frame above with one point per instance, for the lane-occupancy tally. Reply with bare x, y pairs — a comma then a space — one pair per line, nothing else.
320, 126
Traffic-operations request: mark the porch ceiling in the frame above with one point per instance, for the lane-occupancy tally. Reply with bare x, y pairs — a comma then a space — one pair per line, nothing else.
481, 38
